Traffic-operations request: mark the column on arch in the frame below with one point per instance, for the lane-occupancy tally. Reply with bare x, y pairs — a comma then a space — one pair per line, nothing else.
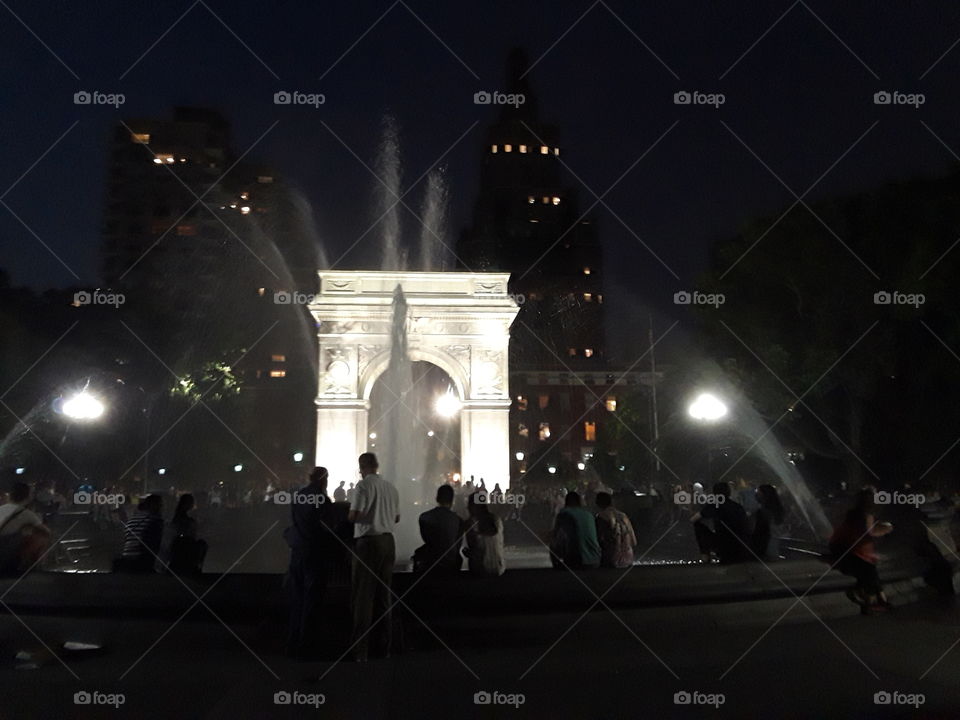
485, 441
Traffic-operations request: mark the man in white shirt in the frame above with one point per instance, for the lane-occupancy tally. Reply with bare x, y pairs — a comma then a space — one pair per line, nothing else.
374, 511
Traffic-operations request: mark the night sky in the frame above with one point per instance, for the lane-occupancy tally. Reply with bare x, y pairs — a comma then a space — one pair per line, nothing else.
798, 79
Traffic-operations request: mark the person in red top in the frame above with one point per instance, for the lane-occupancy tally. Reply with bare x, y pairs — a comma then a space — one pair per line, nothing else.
854, 552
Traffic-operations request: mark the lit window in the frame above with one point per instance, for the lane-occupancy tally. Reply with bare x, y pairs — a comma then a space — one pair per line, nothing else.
278, 358
142, 138
588, 297
522, 430
590, 431
186, 230
543, 401
508, 148
264, 179
261, 291
493, 148
588, 352
523, 148
531, 199
245, 210
545, 200
556, 151
278, 373
572, 352
586, 271
544, 433
600, 299
544, 150
244, 196
556, 200
611, 403
521, 402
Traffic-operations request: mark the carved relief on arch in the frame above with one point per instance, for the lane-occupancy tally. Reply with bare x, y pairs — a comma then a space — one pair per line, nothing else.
366, 353
461, 354
488, 375
336, 373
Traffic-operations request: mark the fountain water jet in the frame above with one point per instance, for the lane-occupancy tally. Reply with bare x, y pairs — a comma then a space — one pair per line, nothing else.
388, 194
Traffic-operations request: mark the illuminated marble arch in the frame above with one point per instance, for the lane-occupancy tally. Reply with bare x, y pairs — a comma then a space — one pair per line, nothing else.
458, 321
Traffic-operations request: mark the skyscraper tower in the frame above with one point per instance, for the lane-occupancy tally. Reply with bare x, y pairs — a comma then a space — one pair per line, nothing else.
527, 221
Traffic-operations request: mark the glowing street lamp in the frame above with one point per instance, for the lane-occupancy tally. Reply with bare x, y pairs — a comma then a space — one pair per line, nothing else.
83, 406
707, 407
298, 457
448, 404
520, 456
238, 467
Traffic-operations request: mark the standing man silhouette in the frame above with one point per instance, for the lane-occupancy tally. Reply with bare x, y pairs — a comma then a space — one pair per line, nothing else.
374, 511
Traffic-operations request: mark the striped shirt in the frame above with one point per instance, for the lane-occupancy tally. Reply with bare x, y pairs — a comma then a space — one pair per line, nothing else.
142, 529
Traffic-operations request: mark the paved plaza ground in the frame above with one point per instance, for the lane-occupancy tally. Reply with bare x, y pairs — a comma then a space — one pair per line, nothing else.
564, 665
